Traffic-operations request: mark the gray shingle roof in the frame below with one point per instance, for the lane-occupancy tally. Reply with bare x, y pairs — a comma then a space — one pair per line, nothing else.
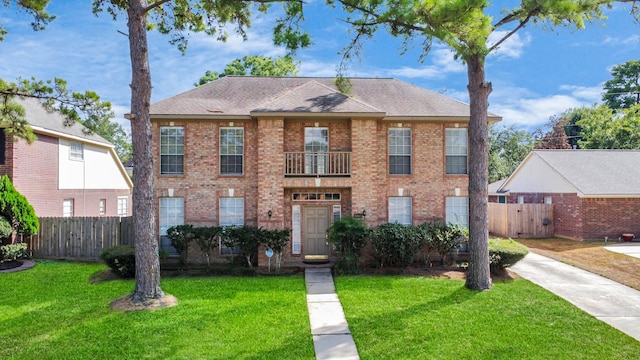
246, 95
53, 121
597, 172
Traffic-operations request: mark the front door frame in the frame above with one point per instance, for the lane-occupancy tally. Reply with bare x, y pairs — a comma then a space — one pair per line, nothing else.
306, 248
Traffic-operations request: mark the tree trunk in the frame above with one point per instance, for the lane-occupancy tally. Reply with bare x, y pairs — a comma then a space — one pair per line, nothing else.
144, 209
478, 274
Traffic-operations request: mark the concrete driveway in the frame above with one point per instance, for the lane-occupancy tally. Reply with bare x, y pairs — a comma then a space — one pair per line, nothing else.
628, 248
615, 304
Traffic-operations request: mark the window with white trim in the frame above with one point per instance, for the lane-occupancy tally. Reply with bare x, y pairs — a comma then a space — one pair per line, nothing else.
316, 146
400, 151
400, 210
76, 151
171, 213
171, 150
457, 209
123, 205
231, 150
103, 206
67, 208
502, 199
231, 213
337, 212
548, 200
456, 149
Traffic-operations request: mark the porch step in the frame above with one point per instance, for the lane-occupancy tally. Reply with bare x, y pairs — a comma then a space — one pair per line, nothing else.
316, 259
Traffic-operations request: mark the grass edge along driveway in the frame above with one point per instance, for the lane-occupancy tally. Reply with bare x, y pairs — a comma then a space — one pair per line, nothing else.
412, 317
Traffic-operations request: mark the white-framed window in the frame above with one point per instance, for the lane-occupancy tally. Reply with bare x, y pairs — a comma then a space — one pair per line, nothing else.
400, 151
502, 199
171, 150
457, 209
400, 210
123, 202
231, 213
456, 149
316, 147
231, 150
520, 199
76, 151
67, 207
171, 213
337, 212
548, 200
102, 206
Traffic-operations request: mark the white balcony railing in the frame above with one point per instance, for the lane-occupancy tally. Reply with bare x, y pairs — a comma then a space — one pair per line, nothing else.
333, 163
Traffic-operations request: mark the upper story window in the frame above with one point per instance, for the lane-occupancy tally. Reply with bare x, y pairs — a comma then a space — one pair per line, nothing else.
171, 150
316, 146
456, 150
76, 151
400, 151
231, 151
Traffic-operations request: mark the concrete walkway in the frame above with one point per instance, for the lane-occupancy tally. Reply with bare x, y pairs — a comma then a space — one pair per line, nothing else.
628, 248
606, 300
331, 335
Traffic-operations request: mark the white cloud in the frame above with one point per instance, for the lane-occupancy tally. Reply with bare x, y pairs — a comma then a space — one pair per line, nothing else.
442, 64
510, 48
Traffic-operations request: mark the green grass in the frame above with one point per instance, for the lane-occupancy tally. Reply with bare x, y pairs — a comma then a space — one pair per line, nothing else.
395, 317
53, 312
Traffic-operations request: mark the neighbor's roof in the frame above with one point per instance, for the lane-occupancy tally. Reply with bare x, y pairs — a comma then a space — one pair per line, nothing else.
52, 123
245, 96
595, 172
494, 188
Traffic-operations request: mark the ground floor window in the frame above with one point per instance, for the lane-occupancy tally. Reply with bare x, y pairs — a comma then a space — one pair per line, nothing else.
67, 207
171, 213
502, 199
231, 213
122, 205
458, 211
400, 210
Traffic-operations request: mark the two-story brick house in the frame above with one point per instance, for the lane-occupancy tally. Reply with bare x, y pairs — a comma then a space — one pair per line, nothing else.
296, 153
66, 171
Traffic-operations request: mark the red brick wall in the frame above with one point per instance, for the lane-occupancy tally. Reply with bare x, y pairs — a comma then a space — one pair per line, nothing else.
264, 187
6, 166
610, 217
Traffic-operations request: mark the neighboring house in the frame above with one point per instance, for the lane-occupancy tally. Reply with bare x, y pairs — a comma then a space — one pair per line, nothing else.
498, 196
595, 193
66, 171
295, 153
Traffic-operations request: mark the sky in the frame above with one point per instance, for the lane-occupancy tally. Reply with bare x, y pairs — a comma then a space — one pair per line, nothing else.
536, 74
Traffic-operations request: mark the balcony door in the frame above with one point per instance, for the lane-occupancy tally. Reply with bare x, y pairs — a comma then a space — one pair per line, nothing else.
316, 146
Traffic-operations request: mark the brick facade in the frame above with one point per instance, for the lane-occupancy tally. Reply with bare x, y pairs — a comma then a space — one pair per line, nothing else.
34, 171
265, 188
588, 218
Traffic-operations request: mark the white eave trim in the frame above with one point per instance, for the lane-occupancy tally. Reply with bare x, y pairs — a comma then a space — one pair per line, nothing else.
59, 134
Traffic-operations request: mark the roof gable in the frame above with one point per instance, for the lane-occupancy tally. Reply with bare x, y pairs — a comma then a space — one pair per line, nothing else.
591, 172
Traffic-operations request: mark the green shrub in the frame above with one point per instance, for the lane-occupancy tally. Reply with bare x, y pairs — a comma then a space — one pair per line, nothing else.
395, 244
275, 240
207, 239
349, 236
5, 228
14, 251
504, 253
17, 209
246, 238
445, 239
121, 259
181, 237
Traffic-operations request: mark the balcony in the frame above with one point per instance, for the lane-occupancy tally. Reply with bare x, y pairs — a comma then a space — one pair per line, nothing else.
333, 163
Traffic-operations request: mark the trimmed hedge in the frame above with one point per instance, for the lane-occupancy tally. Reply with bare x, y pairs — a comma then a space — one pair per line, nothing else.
121, 259
504, 253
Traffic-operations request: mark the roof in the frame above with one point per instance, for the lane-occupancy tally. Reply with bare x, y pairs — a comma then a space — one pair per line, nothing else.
245, 96
494, 188
52, 122
592, 172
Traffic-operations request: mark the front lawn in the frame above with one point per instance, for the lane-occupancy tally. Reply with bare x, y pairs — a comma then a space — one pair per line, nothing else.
53, 312
401, 317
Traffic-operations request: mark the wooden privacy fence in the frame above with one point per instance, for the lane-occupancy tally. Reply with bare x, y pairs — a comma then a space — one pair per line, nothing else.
79, 238
521, 220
